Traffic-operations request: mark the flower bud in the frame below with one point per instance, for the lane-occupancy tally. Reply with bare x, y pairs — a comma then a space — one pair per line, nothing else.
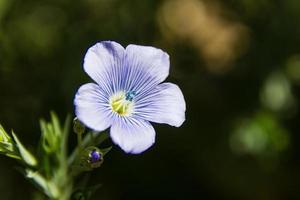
89, 159
78, 126
95, 156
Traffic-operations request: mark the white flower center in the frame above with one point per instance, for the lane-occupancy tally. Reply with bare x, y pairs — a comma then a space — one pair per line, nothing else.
122, 103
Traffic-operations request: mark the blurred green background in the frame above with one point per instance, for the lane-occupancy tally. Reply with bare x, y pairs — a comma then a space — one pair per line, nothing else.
236, 61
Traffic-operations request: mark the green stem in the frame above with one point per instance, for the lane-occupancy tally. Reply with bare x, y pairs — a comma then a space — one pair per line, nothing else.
79, 140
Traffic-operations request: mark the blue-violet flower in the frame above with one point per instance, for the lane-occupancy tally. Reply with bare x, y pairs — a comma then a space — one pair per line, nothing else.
128, 94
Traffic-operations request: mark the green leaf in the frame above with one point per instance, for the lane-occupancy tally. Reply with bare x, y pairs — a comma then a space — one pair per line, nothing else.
4, 137
7, 146
49, 137
12, 155
48, 187
106, 150
26, 156
64, 134
54, 136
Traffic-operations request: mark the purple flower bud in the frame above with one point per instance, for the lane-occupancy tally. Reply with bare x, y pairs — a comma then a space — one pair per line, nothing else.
95, 156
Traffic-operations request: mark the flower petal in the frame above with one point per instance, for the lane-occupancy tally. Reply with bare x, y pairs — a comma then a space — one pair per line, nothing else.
103, 63
164, 104
91, 107
132, 135
145, 67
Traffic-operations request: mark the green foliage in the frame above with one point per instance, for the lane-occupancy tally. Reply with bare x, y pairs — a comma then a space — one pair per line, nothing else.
26, 156
12, 147
7, 146
45, 185
53, 171
276, 94
52, 176
261, 135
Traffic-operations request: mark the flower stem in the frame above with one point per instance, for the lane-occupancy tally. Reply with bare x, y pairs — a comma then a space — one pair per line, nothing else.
79, 140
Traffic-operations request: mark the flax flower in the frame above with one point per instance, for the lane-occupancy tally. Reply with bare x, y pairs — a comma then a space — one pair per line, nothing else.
128, 94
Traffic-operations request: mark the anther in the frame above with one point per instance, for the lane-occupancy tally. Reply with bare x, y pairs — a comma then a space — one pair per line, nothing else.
130, 95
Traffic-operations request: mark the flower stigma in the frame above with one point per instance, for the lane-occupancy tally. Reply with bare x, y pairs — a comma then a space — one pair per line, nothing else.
122, 103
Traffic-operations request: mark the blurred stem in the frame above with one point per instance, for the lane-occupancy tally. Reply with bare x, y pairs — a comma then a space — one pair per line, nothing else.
65, 182
79, 140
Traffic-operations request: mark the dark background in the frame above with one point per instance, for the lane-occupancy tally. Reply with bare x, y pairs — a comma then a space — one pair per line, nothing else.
236, 61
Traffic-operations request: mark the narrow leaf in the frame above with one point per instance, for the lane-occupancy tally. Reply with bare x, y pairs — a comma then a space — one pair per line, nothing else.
106, 150
27, 157
4, 137
47, 186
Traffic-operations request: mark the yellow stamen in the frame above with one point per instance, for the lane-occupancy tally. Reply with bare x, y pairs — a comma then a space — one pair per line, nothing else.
120, 105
